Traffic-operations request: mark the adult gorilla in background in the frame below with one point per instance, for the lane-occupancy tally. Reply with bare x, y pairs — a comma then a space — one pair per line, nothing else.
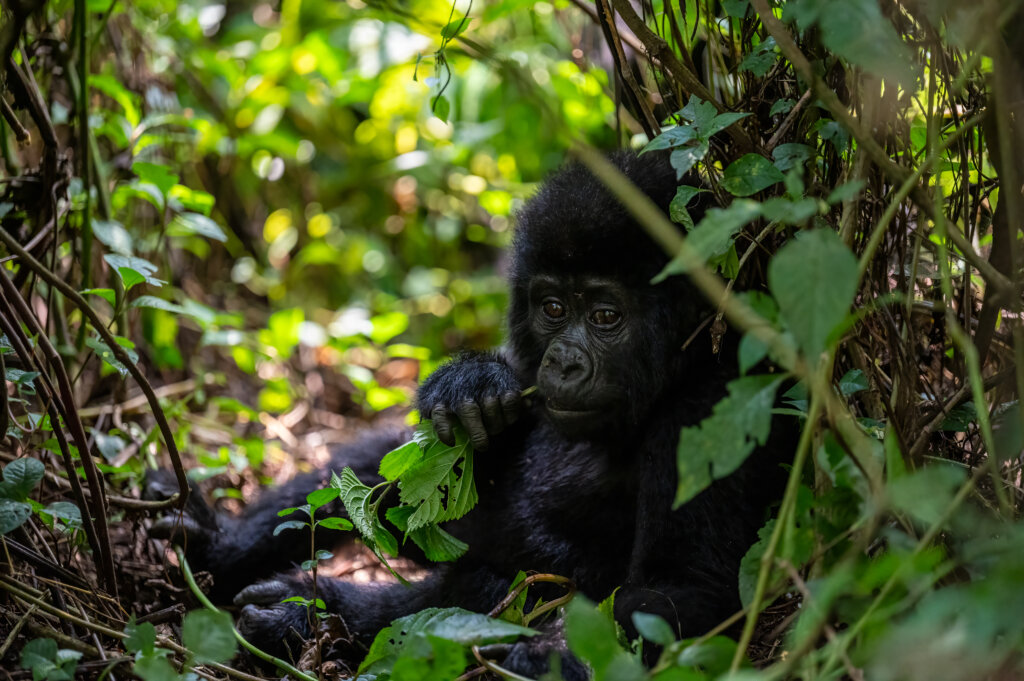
580, 482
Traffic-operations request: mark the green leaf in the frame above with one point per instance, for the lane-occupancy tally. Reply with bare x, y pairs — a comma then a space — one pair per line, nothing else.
698, 113
12, 514
155, 174
133, 270
782, 106
926, 493
750, 174
399, 460
671, 138
721, 442
442, 107
677, 209
654, 628
113, 235
684, 159
107, 355
735, 8
438, 545
453, 624
814, 279
454, 28
22, 475
141, 638
158, 304
441, 485
209, 635
66, 512
289, 525
47, 662
857, 31
189, 224
591, 637
785, 211
335, 523
430, 658
845, 192
853, 381
151, 668
791, 154
356, 498
713, 235
106, 294
321, 497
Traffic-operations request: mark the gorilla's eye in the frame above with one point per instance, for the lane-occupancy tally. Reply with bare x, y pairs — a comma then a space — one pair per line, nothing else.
605, 317
554, 309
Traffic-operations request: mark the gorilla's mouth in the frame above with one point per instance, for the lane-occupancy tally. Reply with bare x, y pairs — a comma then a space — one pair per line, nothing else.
576, 419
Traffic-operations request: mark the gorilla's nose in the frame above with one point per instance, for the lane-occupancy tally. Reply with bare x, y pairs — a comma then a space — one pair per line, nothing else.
568, 361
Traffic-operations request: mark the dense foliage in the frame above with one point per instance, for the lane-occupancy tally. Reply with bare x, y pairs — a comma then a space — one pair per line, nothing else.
233, 233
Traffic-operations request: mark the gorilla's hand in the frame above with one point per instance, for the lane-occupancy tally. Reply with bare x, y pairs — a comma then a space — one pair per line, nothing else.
481, 391
269, 624
196, 527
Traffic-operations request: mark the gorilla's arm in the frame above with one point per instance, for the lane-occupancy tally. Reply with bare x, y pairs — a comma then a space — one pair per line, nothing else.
238, 550
365, 608
480, 390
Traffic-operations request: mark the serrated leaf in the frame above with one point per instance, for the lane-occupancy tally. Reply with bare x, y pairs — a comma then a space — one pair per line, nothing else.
720, 443
209, 635
814, 279
437, 544
750, 174
699, 114
441, 486
356, 498
399, 460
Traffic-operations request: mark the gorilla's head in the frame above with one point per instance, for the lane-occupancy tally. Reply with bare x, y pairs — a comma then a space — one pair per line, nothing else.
602, 342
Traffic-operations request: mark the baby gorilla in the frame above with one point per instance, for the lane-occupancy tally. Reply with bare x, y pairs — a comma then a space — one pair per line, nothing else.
580, 482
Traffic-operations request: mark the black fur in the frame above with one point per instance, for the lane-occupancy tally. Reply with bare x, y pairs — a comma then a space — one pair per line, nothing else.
588, 497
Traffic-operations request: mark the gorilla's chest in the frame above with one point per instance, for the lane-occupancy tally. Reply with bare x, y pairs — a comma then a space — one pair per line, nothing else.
565, 507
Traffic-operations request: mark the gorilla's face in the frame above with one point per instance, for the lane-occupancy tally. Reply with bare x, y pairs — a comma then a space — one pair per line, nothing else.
587, 328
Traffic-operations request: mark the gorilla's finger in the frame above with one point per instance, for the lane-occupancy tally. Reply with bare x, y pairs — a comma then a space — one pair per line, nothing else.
443, 425
511, 406
469, 414
269, 592
179, 527
494, 419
